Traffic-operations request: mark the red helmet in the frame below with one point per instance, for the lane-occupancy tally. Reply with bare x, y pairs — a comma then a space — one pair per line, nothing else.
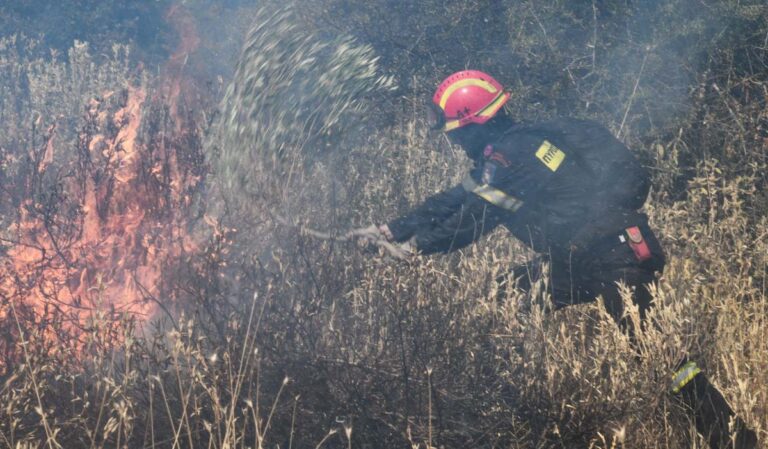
469, 96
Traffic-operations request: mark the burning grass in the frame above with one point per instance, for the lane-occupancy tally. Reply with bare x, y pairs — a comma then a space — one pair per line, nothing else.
95, 204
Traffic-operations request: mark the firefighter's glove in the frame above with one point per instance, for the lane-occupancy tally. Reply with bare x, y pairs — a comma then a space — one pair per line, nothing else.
382, 237
402, 251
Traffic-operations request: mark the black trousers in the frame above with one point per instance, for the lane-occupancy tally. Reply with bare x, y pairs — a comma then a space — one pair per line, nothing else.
582, 276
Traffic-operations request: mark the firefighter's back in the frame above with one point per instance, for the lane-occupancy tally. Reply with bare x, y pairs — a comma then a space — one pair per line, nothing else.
575, 179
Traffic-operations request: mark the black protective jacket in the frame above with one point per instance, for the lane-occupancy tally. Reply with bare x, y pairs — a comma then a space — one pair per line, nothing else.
559, 186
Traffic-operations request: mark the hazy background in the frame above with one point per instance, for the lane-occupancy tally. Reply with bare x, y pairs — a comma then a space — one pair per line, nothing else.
158, 287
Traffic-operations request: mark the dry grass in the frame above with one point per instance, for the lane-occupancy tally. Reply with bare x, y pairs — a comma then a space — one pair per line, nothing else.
278, 339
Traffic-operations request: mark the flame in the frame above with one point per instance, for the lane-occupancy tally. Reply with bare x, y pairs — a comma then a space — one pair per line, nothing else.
112, 262
101, 249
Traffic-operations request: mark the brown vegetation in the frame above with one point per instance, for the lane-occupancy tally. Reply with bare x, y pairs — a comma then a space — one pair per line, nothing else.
270, 337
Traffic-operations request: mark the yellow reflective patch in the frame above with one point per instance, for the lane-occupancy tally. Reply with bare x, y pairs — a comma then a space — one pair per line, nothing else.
684, 375
550, 155
491, 109
464, 83
451, 125
493, 195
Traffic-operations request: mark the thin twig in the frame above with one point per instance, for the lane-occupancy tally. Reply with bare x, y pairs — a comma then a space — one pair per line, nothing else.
331, 433
632, 97
293, 422
594, 35
429, 408
50, 436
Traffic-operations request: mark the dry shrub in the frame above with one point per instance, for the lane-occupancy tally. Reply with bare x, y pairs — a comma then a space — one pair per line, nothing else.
379, 353
45, 96
42, 103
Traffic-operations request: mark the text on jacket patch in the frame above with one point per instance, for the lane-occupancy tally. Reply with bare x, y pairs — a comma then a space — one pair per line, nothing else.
550, 155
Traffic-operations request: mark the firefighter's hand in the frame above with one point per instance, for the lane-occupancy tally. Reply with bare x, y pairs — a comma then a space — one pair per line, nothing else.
401, 251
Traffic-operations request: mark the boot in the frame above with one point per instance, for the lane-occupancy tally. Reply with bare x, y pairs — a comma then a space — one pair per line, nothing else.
743, 436
715, 420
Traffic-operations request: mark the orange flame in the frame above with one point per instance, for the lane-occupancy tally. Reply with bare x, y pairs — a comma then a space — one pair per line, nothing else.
113, 262
102, 246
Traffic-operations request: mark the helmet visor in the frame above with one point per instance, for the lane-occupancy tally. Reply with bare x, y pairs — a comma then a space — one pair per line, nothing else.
434, 116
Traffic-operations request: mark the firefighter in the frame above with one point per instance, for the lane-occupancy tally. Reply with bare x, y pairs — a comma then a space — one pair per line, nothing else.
570, 191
